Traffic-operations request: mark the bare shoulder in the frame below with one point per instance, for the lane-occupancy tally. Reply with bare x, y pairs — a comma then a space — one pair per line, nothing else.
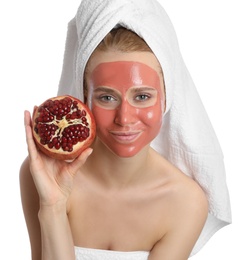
178, 186
189, 200
187, 192
184, 215
27, 185
183, 194
24, 170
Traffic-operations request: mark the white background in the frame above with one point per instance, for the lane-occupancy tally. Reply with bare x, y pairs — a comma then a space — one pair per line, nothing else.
215, 42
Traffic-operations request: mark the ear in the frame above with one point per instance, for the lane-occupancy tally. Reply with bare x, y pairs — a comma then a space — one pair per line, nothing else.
85, 91
85, 99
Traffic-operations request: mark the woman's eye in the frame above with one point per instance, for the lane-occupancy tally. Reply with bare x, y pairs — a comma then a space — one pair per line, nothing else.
107, 98
142, 97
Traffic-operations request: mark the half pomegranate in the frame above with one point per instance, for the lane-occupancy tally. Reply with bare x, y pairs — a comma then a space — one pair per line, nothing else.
63, 127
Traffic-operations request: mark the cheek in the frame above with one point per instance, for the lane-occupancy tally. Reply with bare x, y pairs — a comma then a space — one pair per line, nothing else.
103, 117
152, 116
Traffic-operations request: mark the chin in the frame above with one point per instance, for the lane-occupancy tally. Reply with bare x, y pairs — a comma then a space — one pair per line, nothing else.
127, 153
126, 150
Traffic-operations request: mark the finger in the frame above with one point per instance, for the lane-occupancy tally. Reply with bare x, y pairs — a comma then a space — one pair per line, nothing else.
34, 109
29, 136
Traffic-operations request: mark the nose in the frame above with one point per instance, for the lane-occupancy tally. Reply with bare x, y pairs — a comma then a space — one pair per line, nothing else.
125, 114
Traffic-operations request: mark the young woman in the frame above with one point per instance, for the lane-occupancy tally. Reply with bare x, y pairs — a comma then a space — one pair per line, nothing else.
120, 199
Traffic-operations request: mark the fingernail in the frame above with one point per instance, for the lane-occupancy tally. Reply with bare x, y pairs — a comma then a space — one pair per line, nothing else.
90, 151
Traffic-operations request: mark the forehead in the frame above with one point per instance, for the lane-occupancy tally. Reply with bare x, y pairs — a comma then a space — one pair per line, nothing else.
146, 58
124, 74
124, 69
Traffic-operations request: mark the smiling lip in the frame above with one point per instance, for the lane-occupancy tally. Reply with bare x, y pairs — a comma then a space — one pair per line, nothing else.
125, 137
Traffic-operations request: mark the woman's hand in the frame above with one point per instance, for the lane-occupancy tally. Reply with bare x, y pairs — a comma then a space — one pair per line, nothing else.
53, 178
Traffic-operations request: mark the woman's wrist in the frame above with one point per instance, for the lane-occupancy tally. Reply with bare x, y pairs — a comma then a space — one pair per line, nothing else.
59, 208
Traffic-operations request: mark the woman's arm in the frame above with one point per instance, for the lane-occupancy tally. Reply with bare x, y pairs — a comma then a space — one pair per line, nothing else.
48, 227
46, 185
57, 242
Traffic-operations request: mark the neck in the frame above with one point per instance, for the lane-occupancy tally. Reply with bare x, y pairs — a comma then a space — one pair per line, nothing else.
115, 171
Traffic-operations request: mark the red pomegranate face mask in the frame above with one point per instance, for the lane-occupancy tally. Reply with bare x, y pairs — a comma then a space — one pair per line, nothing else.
126, 99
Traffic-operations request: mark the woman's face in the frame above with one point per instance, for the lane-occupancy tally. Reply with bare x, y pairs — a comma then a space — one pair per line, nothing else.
126, 95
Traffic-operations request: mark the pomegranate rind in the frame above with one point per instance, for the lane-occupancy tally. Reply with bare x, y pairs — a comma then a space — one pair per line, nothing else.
78, 148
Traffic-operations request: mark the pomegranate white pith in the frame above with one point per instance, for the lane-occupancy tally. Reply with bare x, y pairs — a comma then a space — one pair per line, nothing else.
63, 127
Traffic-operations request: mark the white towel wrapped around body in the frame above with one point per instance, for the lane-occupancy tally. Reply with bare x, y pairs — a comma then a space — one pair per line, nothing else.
187, 138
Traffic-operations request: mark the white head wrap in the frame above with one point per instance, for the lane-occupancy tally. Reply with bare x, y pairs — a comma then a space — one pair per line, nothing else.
187, 138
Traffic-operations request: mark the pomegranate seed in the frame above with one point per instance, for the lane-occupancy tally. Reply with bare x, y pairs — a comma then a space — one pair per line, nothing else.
42, 141
50, 145
54, 140
84, 113
57, 146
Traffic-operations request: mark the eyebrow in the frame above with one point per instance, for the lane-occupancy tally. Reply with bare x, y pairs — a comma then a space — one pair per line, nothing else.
136, 89
143, 89
104, 89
